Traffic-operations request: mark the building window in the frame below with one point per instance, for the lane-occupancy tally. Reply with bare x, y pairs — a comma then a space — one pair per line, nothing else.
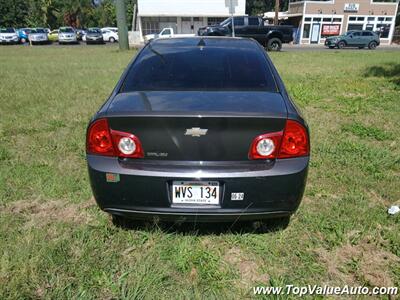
360, 19
307, 19
388, 19
337, 20
354, 27
214, 21
371, 18
196, 19
381, 18
152, 24
369, 27
383, 30
306, 31
317, 19
168, 19
327, 19
330, 30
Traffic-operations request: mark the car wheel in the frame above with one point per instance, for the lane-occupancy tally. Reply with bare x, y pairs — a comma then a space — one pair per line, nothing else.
341, 45
372, 45
111, 40
331, 47
272, 225
120, 221
274, 44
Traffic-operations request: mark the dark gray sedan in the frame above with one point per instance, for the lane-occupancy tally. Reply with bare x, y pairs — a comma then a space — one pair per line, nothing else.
93, 36
199, 129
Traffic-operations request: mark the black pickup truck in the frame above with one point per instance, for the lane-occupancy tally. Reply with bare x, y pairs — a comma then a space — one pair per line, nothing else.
270, 36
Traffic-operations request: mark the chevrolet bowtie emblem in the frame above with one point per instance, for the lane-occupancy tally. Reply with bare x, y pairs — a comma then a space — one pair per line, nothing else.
196, 132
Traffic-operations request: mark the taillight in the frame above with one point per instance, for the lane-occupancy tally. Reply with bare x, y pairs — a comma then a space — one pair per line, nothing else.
295, 141
127, 144
266, 146
291, 142
103, 141
99, 139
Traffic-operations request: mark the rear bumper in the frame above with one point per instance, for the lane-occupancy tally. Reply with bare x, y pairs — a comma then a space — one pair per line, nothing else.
144, 188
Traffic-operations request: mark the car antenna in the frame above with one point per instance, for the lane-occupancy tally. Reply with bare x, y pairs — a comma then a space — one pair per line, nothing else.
201, 43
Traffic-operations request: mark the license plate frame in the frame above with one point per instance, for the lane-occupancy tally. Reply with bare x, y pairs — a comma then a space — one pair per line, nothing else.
197, 193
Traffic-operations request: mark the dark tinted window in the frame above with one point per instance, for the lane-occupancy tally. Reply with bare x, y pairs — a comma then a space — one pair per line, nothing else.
239, 21
366, 33
356, 33
254, 21
169, 67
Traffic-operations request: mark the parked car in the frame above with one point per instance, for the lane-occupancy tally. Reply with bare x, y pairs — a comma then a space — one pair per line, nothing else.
94, 36
164, 34
270, 37
109, 35
199, 129
115, 29
53, 35
38, 36
23, 34
67, 35
354, 38
47, 30
8, 36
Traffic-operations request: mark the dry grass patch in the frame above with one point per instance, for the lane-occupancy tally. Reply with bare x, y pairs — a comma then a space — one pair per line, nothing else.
247, 267
41, 213
373, 264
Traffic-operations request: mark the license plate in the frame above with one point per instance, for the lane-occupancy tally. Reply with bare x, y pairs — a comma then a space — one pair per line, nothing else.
195, 192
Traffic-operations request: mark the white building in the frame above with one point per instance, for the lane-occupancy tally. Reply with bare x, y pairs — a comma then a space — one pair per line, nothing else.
184, 16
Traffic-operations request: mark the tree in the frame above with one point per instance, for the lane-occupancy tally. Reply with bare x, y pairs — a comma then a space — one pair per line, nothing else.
259, 7
13, 13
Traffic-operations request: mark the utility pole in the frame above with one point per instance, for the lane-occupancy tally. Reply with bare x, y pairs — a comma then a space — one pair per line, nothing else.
122, 26
231, 4
276, 19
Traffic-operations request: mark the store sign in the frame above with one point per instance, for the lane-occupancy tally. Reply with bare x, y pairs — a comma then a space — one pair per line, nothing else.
330, 29
351, 7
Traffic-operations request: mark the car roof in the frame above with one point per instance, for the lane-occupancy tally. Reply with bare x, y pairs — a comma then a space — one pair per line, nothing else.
210, 41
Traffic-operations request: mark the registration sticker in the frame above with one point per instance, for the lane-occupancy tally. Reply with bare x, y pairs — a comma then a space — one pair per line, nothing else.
111, 177
237, 196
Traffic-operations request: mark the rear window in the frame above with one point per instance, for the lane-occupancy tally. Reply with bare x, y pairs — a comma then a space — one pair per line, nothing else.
163, 68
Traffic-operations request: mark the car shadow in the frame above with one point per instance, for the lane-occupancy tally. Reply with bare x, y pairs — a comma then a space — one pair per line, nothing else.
201, 229
389, 71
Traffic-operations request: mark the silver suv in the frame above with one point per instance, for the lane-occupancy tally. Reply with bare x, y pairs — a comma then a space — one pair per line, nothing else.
67, 35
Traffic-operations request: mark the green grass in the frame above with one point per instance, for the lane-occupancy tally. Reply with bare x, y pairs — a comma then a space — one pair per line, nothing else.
56, 244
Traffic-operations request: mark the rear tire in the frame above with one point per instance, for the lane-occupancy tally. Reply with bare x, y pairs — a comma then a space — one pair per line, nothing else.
372, 45
272, 225
274, 44
111, 40
341, 45
119, 221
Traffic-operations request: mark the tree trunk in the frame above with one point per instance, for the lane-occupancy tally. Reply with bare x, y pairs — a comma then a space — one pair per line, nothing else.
276, 20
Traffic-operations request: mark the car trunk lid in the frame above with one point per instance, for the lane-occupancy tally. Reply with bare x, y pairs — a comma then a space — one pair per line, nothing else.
197, 126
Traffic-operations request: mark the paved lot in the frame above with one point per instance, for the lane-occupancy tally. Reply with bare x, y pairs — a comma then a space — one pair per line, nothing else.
290, 47
285, 47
